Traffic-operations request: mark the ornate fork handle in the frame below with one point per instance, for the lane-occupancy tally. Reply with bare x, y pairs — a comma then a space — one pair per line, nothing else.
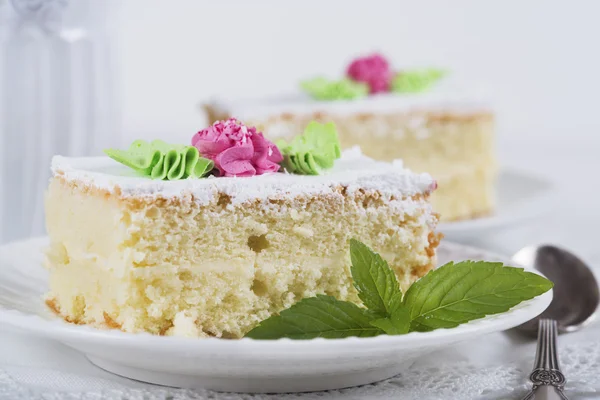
548, 381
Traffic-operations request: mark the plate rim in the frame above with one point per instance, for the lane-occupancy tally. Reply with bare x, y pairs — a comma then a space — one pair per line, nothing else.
57, 329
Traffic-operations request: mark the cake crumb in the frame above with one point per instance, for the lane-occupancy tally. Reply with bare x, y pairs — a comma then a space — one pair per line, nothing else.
111, 323
303, 231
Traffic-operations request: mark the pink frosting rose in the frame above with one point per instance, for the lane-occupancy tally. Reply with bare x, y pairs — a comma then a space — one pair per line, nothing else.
236, 149
373, 70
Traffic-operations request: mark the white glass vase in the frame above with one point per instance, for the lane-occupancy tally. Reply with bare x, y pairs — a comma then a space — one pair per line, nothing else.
57, 96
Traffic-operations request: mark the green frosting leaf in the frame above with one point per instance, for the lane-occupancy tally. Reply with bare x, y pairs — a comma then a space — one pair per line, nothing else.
161, 160
457, 293
325, 89
313, 151
414, 81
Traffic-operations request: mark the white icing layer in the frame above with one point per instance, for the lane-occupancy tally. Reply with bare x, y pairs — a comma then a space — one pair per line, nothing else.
445, 97
353, 170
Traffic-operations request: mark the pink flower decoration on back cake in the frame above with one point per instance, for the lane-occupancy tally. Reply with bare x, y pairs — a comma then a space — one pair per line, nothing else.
237, 149
374, 70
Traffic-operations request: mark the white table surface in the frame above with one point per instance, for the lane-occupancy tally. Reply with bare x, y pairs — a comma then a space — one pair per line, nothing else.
33, 368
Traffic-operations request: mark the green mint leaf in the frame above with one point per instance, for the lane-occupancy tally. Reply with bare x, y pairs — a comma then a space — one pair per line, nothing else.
398, 323
444, 298
377, 285
320, 316
457, 293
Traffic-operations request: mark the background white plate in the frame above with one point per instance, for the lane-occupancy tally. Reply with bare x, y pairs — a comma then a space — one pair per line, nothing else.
520, 197
235, 365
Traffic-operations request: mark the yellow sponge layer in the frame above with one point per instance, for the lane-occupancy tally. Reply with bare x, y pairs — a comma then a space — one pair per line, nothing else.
175, 267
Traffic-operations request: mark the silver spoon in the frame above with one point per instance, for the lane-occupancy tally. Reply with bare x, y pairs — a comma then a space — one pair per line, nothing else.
576, 298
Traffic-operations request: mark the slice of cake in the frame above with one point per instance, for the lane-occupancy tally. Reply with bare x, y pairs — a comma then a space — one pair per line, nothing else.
432, 127
214, 256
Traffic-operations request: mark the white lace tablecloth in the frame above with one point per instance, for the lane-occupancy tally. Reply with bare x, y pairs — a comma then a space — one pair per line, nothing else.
492, 367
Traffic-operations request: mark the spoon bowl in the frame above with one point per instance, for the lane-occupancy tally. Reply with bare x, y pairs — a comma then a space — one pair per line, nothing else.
576, 293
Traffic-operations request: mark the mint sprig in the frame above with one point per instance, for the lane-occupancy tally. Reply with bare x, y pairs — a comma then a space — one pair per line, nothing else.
453, 294
374, 280
396, 323
458, 293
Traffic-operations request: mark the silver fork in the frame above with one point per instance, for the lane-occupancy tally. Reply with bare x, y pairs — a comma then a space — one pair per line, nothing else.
548, 381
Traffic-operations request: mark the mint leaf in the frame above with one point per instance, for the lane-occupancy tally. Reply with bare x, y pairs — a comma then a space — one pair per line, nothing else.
320, 316
444, 298
398, 323
457, 293
378, 288
375, 281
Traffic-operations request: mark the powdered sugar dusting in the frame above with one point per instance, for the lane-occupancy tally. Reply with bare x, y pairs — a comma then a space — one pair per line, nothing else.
353, 171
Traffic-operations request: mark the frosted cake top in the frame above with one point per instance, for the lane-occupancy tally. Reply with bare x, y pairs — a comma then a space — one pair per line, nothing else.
301, 104
353, 171
371, 84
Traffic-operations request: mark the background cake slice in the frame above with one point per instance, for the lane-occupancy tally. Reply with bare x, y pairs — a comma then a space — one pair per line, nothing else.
215, 256
446, 135
433, 125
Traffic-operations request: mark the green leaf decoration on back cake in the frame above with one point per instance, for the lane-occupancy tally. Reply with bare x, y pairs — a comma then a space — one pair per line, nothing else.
325, 89
313, 151
161, 160
415, 81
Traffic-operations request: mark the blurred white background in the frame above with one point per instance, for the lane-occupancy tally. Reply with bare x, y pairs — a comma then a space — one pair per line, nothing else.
537, 58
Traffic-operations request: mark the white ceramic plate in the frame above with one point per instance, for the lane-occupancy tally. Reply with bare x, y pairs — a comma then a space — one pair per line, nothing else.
520, 197
244, 365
